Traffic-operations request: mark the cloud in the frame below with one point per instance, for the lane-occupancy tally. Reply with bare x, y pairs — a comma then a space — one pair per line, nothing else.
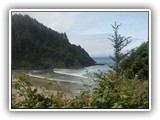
74, 22
59, 21
94, 44
99, 44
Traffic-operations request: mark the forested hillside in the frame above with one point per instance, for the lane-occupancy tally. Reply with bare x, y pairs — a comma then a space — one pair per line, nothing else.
34, 46
136, 63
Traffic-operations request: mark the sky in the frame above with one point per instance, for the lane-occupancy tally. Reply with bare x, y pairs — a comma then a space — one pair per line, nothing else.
92, 29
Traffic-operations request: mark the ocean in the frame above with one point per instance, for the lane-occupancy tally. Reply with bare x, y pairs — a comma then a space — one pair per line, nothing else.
75, 77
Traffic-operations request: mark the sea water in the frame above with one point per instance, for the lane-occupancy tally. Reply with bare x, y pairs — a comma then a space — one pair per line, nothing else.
75, 77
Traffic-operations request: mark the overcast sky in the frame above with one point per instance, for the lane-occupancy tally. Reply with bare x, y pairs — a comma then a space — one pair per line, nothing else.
92, 29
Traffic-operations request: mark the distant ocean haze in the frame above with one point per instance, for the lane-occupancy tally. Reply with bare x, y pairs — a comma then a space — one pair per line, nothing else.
103, 60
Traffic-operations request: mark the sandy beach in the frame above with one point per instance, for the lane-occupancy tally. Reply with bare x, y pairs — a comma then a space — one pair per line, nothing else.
47, 86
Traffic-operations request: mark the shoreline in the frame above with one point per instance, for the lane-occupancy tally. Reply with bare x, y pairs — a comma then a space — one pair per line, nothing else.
48, 86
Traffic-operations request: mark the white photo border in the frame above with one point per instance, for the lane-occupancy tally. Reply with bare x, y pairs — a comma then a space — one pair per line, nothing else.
79, 10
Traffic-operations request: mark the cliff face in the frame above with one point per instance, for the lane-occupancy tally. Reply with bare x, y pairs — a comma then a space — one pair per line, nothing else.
34, 46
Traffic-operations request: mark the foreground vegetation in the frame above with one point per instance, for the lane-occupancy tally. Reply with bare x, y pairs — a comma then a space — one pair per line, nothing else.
109, 93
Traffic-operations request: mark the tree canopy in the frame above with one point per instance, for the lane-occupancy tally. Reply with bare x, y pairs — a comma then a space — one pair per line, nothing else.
136, 63
35, 46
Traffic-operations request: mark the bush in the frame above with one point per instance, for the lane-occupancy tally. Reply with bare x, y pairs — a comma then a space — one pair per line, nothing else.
30, 98
121, 93
110, 93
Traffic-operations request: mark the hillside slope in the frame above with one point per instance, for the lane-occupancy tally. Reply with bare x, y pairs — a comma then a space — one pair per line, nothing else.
35, 46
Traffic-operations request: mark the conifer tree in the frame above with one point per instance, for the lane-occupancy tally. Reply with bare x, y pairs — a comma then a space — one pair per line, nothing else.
119, 42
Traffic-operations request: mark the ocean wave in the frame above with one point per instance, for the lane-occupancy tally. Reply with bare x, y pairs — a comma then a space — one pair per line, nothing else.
69, 72
57, 80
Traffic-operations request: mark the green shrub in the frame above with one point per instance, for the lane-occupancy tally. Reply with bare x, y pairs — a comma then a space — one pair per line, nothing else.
110, 93
121, 92
30, 98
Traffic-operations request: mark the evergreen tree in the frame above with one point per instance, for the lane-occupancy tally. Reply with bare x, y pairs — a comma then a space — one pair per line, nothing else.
119, 42
136, 63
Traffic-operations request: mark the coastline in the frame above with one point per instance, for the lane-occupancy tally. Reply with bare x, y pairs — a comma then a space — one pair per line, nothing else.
45, 85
